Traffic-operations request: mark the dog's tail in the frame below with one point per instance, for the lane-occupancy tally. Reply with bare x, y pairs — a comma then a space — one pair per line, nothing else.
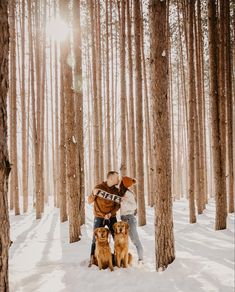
130, 259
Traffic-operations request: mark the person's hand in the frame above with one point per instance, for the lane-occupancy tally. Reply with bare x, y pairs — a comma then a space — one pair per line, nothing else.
107, 216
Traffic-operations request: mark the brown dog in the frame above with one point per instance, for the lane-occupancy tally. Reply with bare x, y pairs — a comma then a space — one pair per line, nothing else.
122, 256
103, 254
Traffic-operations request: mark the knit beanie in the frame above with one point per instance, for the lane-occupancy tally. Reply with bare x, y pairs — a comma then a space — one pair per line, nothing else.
128, 181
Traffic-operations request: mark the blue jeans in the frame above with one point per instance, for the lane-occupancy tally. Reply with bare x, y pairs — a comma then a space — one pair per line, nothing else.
101, 222
131, 220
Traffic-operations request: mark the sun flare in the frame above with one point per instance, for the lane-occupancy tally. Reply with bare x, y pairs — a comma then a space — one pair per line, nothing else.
57, 29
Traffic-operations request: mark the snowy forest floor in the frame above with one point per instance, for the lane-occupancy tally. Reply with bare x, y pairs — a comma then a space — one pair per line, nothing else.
42, 260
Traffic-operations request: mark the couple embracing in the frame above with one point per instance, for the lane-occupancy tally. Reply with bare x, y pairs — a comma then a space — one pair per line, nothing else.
108, 199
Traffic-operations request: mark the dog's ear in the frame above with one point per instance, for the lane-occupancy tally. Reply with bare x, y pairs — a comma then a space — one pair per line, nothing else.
95, 232
115, 227
126, 227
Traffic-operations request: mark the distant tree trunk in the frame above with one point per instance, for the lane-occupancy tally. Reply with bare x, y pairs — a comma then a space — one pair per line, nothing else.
15, 189
79, 109
37, 142
23, 112
114, 154
230, 127
108, 140
42, 107
219, 177
71, 145
164, 238
131, 127
62, 148
139, 118
4, 160
201, 110
95, 98
99, 89
191, 116
121, 8
149, 154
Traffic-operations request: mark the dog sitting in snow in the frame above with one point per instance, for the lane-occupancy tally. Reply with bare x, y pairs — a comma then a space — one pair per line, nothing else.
103, 256
122, 257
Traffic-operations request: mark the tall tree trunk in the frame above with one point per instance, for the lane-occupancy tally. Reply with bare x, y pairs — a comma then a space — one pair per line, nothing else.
14, 180
23, 112
95, 98
164, 238
219, 177
121, 8
131, 127
108, 140
79, 108
201, 106
99, 90
139, 118
62, 149
71, 171
191, 116
37, 112
42, 108
230, 127
4, 160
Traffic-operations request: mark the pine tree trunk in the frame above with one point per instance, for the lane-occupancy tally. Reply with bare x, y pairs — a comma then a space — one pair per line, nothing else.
201, 106
191, 117
4, 160
14, 180
79, 109
164, 238
219, 177
71, 171
23, 112
42, 109
99, 90
131, 127
95, 98
230, 127
37, 113
121, 8
139, 118
108, 140
62, 148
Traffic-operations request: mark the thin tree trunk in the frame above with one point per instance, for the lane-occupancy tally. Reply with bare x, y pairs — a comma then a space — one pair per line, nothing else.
131, 127
139, 118
191, 117
121, 9
14, 180
23, 112
95, 98
79, 109
37, 112
228, 77
108, 140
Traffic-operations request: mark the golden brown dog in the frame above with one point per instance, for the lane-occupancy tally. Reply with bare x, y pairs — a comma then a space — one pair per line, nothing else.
122, 256
103, 254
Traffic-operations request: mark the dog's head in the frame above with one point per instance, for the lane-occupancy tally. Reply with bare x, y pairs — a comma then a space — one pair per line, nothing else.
121, 227
101, 234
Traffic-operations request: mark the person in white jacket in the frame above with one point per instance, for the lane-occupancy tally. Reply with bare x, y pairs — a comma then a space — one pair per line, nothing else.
128, 211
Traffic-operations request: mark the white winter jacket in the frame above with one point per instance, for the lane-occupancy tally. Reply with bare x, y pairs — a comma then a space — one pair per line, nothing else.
128, 204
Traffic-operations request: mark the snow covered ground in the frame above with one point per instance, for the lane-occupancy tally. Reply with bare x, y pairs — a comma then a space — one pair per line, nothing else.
41, 259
